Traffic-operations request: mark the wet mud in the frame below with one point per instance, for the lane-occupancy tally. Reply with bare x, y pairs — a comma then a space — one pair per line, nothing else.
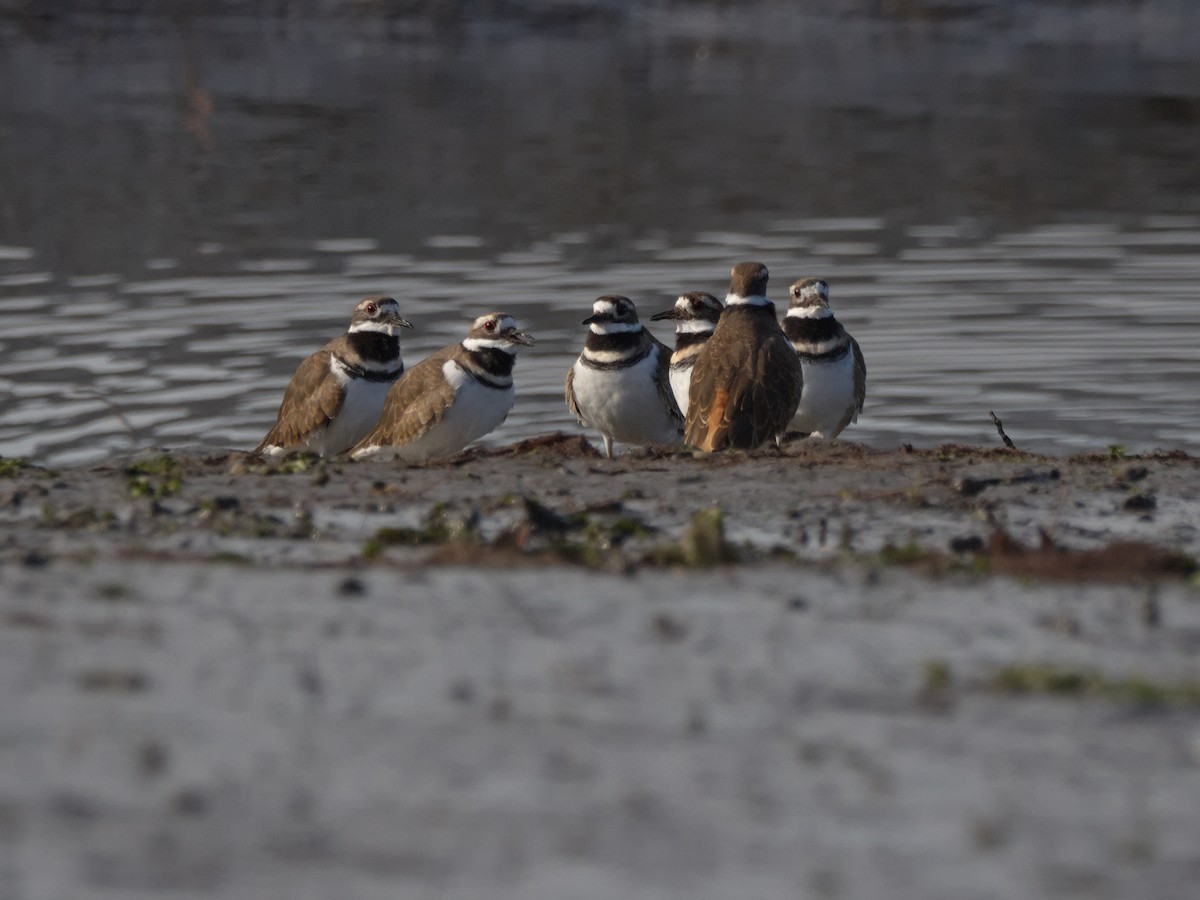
533, 672
553, 498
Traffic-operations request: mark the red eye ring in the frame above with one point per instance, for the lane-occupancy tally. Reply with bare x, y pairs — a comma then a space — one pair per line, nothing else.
490, 325
372, 309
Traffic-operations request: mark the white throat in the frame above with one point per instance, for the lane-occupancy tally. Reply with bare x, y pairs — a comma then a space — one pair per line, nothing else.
614, 327
378, 327
737, 300
694, 326
809, 312
504, 346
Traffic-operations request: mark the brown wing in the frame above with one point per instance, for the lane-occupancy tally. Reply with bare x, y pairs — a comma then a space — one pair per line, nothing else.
570, 392
414, 404
752, 398
860, 378
312, 399
708, 390
662, 378
765, 397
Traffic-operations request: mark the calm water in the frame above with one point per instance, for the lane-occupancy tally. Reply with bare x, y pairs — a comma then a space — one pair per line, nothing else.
1009, 218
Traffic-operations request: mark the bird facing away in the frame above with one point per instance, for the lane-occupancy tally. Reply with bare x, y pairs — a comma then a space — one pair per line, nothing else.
745, 383
695, 315
835, 373
337, 393
451, 398
620, 385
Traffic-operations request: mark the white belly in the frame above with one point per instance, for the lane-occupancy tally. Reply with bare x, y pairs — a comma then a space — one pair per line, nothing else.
827, 398
681, 386
359, 413
475, 411
624, 403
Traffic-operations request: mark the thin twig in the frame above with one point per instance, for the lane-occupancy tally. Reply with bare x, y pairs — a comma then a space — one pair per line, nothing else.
1000, 428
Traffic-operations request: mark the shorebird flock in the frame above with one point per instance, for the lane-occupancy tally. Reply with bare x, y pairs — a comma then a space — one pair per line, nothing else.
736, 378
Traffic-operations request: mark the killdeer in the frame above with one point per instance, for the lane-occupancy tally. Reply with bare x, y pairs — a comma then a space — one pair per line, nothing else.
745, 383
835, 373
695, 315
337, 393
451, 398
620, 385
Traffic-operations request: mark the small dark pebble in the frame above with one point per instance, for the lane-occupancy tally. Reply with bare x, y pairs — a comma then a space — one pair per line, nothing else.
667, 627
190, 802
1140, 503
309, 680
225, 503
797, 604
1136, 473
35, 560
153, 758
544, 519
462, 691
969, 543
970, 487
351, 587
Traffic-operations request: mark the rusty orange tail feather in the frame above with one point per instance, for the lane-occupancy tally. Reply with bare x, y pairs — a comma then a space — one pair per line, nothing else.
716, 419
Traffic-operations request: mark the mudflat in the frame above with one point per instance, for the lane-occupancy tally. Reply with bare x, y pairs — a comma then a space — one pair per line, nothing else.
826, 671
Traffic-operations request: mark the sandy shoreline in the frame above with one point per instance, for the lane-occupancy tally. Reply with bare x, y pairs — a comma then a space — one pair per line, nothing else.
537, 673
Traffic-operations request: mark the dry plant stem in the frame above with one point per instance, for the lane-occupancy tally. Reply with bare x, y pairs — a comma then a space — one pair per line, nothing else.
117, 412
1000, 430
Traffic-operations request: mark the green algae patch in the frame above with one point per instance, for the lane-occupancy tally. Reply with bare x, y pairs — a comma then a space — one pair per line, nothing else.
16, 467
702, 545
11, 467
85, 518
439, 526
394, 537
156, 478
937, 684
300, 463
115, 592
1045, 679
909, 554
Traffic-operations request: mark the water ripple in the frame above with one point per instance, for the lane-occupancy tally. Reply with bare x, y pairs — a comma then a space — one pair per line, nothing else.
1077, 335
